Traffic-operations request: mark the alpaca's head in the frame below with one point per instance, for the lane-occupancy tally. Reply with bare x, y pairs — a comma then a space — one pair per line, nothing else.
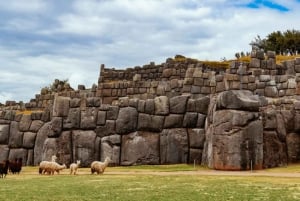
53, 158
78, 162
107, 159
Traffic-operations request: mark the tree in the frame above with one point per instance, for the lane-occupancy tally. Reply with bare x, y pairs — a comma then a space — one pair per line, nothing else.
258, 43
279, 42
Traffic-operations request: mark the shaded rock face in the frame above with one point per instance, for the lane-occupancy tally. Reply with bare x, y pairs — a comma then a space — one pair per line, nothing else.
237, 140
274, 150
127, 120
173, 146
234, 133
110, 147
140, 148
84, 146
293, 146
4, 134
275, 139
41, 137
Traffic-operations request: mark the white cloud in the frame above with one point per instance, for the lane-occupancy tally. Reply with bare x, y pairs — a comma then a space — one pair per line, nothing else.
28, 6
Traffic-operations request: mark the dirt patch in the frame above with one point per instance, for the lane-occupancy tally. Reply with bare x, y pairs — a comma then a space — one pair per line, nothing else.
209, 172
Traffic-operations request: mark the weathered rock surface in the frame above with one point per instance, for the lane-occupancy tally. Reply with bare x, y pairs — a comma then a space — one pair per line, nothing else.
140, 148
61, 106
274, 150
152, 123
110, 147
239, 100
173, 146
15, 136
237, 140
127, 120
25, 123
161, 105
89, 118
4, 134
84, 146
293, 146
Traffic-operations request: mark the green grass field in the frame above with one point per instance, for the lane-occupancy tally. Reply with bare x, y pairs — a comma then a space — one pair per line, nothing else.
151, 183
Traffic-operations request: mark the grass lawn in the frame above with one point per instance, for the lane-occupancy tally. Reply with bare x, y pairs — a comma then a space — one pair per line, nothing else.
126, 183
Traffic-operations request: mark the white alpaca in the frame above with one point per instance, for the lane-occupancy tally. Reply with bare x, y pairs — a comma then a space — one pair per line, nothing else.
54, 167
45, 164
74, 167
99, 167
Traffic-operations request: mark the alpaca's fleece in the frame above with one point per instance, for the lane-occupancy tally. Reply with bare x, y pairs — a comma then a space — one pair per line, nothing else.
45, 165
74, 167
99, 167
52, 167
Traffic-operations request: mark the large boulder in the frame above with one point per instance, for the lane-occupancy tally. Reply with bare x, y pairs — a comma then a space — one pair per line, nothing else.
56, 127
61, 106
89, 118
196, 138
41, 136
110, 147
236, 141
173, 121
152, 123
4, 133
293, 147
84, 146
36, 125
127, 120
15, 137
73, 119
178, 104
162, 106
25, 123
240, 100
4, 151
174, 146
29, 140
107, 129
190, 119
140, 148
201, 104
149, 106
275, 150
61, 147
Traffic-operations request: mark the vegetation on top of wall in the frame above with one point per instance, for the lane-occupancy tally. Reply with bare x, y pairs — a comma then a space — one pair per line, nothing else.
27, 111
287, 42
212, 64
57, 86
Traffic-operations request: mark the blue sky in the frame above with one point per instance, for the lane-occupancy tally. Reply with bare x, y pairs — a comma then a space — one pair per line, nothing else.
268, 4
44, 40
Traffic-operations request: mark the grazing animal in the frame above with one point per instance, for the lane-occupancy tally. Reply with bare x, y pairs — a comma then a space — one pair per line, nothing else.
54, 167
4, 168
45, 164
16, 166
74, 167
99, 167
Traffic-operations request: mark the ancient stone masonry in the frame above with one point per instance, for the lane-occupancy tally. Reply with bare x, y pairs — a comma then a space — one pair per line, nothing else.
238, 118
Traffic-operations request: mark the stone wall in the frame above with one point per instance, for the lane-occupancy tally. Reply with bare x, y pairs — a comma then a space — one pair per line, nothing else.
184, 111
